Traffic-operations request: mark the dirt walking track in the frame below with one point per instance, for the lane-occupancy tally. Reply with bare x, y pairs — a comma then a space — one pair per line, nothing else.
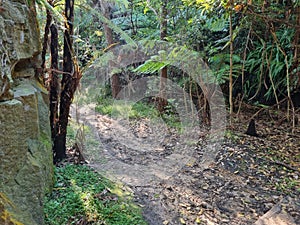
181, 187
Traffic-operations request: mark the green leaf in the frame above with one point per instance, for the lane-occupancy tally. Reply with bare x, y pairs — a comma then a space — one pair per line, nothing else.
150, 67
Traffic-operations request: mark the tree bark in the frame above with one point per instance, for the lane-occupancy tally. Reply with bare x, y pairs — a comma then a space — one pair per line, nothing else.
46, 34
69, 83
54, 84
296, 44
162, 101
231, 62
114, 80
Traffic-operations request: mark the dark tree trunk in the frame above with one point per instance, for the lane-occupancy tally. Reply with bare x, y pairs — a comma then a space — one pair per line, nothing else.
45, 41
115, 85
296, 45
68, 85
162, 101
54, 84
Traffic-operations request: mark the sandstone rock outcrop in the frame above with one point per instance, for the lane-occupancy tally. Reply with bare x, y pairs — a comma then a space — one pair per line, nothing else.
25, 138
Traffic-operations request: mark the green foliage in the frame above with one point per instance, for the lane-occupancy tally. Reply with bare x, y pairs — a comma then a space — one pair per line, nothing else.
126, 109
287, 184
80, 195
54, 10
137, 110
267, 62
201, 25
150, 67
206, 6
218, 24
115, 28
219, 63
143, 110
170, 117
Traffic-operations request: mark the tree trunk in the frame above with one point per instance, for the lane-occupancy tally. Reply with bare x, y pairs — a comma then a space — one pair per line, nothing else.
231, 62
296, 44
54, 84
46, 34
68, 85
114, 80
162, 101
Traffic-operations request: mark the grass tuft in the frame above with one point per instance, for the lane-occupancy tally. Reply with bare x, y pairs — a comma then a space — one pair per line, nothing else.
126, 109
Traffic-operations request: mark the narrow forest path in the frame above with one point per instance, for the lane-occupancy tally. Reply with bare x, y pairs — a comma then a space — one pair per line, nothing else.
175, 184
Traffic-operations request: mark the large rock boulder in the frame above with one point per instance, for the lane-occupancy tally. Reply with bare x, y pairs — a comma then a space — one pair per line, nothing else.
25, 140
